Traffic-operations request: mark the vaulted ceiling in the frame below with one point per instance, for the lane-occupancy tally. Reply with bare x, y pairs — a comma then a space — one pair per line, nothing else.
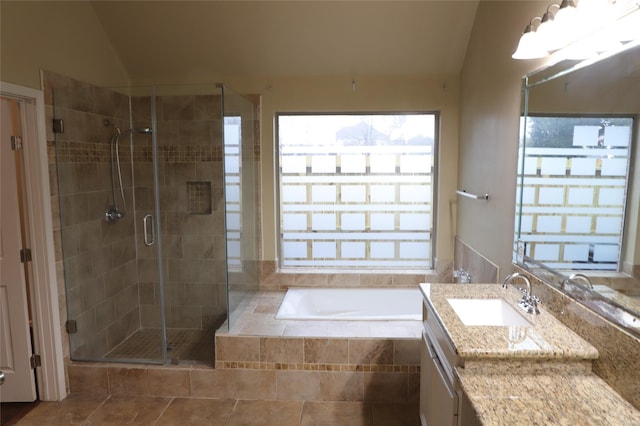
174, 40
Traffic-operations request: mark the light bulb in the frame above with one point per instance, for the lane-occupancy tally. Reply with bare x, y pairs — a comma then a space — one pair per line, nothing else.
529, 47
628, 29
565, 26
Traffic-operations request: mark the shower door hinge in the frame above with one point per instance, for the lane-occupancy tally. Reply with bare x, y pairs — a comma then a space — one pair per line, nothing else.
16, 143
35, 361
71, 326
58, 125
25, 255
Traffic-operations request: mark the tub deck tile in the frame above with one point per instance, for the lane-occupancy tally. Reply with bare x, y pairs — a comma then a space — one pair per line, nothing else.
256, 317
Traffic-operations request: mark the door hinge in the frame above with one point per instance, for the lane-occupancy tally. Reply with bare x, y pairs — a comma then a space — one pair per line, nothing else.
58, 125
35, 361
16, 143
71, 326
25, 255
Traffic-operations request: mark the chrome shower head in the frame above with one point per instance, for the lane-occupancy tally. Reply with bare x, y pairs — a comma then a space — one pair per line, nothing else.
143, 130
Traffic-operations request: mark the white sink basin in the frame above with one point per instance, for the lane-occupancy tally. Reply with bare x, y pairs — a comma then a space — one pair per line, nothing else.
487, 312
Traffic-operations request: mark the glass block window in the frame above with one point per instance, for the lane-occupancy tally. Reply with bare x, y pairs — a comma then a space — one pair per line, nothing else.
356, 190
573, 175
233, 189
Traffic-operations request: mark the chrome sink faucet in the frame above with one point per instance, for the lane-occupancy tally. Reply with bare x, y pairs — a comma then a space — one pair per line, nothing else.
583, 278
529, 302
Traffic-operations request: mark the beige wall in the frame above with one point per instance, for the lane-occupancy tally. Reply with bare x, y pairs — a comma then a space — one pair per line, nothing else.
400, 93
489, 110
490, 88
64, 37
393, 93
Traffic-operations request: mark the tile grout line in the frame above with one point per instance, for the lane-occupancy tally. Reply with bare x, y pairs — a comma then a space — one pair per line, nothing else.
233, 410
97, 408
164, 410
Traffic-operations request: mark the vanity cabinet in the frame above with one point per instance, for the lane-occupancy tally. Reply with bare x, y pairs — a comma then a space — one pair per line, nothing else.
478, 368
442, 401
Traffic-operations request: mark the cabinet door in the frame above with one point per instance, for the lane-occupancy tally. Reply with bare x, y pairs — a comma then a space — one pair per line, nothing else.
443, 403
426, 372
438, 400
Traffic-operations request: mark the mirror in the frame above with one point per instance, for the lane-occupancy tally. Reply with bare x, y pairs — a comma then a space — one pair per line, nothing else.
578, 187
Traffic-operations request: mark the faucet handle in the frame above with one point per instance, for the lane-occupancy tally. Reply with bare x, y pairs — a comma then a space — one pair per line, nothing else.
529, 304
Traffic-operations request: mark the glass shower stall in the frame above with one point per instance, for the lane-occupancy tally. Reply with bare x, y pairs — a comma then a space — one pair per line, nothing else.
158, 190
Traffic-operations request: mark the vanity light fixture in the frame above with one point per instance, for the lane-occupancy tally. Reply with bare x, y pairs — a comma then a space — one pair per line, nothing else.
581, 32
530, 46
546, 28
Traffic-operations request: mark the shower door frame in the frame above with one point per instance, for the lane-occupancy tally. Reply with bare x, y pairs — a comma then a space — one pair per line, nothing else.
156, 225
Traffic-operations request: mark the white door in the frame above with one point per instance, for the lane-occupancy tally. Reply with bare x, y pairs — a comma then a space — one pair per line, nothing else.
15, 338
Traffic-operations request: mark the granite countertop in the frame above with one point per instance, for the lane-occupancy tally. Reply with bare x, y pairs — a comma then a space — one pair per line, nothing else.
546, 338
545, 381
545, 398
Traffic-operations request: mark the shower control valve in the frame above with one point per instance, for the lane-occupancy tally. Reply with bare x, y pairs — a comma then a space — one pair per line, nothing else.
112, 215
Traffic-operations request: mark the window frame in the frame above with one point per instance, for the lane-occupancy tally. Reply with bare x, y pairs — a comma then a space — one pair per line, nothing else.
434, 192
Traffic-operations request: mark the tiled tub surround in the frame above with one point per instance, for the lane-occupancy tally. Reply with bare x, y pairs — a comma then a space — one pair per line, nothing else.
322, 360
265, 358
548, 381
618, 363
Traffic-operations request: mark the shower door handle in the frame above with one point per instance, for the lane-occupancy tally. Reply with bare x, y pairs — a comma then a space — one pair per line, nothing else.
148, 219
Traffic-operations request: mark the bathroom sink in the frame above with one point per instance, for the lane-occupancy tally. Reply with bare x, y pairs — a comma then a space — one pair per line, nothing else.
487, 312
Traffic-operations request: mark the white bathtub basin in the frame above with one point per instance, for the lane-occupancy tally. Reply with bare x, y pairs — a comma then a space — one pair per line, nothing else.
352, 304
487, 312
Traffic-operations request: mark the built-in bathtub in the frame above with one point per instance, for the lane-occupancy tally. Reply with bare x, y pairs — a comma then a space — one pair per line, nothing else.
351, 304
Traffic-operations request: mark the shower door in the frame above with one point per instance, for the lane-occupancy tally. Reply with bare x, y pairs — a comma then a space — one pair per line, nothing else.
189, 133
105, 152
142, 220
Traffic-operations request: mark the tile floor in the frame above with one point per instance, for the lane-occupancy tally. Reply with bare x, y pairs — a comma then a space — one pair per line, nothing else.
116, 410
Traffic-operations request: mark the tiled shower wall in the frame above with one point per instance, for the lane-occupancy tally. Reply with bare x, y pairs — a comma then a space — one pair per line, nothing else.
99, 264
189, 132
111, 275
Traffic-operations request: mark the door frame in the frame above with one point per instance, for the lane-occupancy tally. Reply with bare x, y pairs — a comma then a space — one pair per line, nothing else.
45, 311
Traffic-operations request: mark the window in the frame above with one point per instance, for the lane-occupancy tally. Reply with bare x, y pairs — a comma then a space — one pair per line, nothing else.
356, 190
233, 189
574, 181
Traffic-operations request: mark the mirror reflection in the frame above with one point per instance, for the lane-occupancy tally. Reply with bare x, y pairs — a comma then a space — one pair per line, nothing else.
578, 188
